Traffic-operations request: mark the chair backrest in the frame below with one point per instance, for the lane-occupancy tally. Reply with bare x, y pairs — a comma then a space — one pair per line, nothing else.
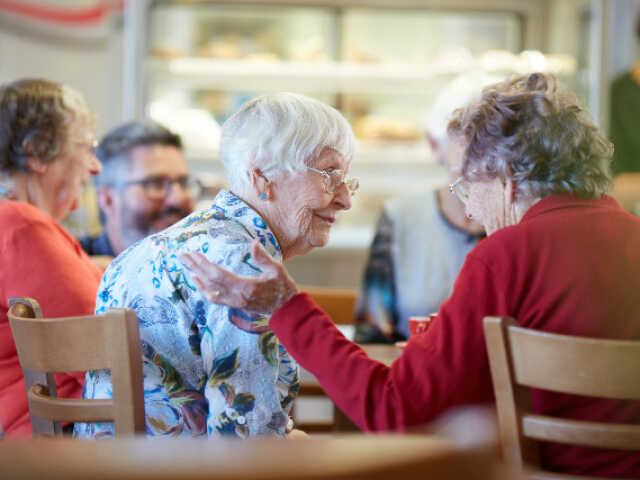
338, 303
95, 342
626, 190
522, 358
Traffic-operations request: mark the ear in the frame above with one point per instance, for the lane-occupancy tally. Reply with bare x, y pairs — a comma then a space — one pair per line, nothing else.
107, 199
510, 191
509, 187
261, 185
36, 166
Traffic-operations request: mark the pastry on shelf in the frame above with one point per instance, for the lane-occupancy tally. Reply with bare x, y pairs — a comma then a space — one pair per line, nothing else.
166, 52
357, 55
227, 48
310, 50
378, 127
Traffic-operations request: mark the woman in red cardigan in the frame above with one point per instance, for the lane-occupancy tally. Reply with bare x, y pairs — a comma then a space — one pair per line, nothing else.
560, 256
46, 156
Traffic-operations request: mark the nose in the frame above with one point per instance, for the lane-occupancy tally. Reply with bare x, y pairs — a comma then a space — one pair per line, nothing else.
342, 197
95, 167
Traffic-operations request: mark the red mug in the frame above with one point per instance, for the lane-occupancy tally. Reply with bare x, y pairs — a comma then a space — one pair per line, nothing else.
418, 325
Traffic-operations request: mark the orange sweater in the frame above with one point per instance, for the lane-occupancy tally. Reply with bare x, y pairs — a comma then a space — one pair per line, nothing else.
40, 260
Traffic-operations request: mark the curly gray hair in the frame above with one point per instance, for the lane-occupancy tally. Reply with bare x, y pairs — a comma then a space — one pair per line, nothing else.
530, 130
281, 132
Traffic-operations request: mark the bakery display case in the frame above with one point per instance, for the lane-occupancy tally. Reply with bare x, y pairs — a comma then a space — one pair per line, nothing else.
382, 64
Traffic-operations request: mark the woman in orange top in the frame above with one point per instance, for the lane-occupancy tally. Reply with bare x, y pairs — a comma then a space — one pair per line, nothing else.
46, 156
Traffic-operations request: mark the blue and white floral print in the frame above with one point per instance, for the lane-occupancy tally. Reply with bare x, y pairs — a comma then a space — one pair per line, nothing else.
208, 369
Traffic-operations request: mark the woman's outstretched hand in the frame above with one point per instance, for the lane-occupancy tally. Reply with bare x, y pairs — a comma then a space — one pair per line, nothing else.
263, 294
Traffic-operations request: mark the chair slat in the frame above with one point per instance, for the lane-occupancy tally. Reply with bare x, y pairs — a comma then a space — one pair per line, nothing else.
598, 368
587, 434
68, 409
338, 303
66, 345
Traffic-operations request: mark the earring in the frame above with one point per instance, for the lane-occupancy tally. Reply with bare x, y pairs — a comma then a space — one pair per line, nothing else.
263, 196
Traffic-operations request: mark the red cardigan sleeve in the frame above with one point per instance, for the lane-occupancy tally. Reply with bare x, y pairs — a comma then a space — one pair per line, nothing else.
46, 263
445, 366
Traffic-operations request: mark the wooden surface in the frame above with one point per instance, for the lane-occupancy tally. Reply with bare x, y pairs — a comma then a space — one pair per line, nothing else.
338, 303
626, 190
74, 344
309, 386
363, 457
522, 358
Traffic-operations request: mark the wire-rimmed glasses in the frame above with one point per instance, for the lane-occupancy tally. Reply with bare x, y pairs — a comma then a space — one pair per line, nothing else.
335, 178
460, 188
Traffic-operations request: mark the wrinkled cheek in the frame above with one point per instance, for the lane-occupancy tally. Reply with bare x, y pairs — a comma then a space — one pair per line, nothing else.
302, 224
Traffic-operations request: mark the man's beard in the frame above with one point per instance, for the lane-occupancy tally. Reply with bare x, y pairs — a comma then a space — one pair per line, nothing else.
139, 225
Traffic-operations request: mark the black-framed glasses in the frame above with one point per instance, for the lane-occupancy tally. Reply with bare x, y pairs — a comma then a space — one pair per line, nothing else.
158, 187
460, 188
335, 178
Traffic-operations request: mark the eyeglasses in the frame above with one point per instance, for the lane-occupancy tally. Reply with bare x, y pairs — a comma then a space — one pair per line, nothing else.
460, 188
157, 188
335, 178
88, 145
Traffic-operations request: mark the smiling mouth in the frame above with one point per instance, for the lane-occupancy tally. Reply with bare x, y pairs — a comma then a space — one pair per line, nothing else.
329, 220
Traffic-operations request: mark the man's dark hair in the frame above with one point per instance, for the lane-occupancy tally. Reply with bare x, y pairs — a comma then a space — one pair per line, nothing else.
118, 143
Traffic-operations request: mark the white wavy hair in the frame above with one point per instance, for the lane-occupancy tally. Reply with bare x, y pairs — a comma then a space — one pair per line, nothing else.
456, 94
280, 132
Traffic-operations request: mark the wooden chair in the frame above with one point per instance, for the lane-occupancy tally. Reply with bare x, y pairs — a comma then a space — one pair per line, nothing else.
339, 304
626, 190
95, 342
522, 358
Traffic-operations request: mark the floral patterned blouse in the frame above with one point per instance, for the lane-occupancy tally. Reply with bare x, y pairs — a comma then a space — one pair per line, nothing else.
208, 369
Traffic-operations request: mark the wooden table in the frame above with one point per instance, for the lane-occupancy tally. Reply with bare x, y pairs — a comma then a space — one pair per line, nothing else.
310, 386
373, 457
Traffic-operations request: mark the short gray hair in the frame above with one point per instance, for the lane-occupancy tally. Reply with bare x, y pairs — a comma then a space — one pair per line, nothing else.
536, 133
115, 146
281, 132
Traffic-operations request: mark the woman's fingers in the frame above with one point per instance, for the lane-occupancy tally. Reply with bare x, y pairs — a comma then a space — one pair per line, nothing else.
217, 284
212, 277
263, 294
262, 258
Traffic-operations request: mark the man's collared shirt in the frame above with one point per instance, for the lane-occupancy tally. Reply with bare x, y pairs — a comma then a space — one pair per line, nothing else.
98, 245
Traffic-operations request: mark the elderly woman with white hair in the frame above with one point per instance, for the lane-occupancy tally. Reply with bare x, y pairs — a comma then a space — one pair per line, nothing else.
560, 256
211, 370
